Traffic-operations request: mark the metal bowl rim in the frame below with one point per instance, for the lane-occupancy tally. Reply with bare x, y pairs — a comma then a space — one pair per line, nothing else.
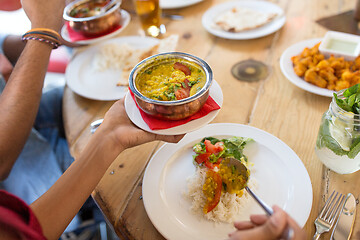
67, 9
204, 90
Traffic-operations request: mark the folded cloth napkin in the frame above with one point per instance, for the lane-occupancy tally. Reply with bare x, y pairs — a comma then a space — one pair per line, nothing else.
76, 36
157, 124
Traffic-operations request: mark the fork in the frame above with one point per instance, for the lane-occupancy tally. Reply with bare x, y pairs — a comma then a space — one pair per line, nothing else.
328, 214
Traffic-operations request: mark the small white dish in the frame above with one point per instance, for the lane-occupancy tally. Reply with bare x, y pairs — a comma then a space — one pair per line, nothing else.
85, 80
281, 179
340, 44
287, 68
125, 19
172, 4
134, 114
210, 15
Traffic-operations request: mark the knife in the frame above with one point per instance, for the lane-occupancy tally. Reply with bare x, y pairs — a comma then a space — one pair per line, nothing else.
344, 225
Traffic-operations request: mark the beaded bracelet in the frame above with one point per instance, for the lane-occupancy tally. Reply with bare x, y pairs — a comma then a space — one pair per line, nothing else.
48, 37
54, 45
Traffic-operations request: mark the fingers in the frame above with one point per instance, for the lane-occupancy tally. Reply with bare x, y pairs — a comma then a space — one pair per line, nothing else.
169, 138
255, 220
258, 219
243, 225
261, 227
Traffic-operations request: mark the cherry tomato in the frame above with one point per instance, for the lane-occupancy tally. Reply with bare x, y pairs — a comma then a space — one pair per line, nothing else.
204, 157
182, 93
211, 165
218, 147
183, 68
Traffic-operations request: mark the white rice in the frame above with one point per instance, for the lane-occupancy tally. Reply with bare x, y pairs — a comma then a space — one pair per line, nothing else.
229, 207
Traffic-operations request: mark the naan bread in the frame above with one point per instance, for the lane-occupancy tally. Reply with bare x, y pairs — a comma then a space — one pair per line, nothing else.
124, 57
240, 19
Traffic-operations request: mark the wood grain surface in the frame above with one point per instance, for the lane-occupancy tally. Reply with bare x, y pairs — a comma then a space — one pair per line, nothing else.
273, 104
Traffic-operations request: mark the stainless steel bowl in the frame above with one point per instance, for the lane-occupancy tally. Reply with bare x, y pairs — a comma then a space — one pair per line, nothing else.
94, 25
171, 110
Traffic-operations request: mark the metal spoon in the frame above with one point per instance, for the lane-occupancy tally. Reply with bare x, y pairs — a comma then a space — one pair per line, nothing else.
108, 6
245, 173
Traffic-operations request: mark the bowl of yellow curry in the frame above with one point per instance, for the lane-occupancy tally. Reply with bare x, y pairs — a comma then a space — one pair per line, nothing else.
172, 85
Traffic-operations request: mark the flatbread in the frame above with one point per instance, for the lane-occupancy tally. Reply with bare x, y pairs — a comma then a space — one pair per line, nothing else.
124, 57
238, 19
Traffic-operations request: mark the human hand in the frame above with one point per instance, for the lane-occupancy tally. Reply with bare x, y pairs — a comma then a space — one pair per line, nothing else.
44, 13
118, 127
262, 227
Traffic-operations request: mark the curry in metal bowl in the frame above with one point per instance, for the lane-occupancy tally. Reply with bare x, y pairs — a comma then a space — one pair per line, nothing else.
173, 80
171, 85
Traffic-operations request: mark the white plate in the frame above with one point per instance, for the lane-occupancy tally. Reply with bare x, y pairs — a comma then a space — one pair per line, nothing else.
82, 78
280, 175
210, 15
287, 68
125, 19
135, 116
169, 4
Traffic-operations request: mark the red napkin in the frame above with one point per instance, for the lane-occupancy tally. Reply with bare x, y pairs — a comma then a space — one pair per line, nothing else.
76, 36
156, 124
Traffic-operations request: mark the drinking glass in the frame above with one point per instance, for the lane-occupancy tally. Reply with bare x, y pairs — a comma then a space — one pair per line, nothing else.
338, 141
149, 13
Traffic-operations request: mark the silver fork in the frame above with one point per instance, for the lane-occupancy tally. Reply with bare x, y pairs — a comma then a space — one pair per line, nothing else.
328, 214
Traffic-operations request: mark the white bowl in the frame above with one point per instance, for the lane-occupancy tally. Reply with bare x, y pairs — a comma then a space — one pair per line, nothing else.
340, 44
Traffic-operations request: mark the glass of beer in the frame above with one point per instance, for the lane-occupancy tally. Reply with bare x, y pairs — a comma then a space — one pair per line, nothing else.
149, 13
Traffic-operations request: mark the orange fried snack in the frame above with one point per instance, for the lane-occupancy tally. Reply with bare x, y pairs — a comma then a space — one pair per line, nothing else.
333, 73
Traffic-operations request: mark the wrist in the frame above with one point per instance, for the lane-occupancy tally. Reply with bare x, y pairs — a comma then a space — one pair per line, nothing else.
109, 140
35, 43
55, 27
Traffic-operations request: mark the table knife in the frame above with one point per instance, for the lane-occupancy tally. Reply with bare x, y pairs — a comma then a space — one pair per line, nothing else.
344, 225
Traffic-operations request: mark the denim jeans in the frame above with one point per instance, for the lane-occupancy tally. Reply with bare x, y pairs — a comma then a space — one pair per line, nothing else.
45, 155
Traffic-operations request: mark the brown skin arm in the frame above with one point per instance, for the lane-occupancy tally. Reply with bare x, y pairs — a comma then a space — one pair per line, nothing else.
62, 201
12, 47
20, 99
19, 102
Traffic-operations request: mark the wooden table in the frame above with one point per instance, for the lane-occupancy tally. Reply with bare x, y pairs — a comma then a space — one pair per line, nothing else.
274, 105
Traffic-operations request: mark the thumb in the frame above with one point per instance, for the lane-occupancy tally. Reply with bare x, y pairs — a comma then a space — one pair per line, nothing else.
274, 227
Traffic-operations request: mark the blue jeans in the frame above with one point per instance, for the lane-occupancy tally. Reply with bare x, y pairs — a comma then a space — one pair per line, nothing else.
45, 155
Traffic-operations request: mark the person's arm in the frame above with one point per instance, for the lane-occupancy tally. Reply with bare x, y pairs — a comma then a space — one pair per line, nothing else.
13, 47
262, 227
19, 102
62, 201
20, 99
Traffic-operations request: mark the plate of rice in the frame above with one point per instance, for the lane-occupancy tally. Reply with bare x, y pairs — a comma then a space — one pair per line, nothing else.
101, 71
173, 184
